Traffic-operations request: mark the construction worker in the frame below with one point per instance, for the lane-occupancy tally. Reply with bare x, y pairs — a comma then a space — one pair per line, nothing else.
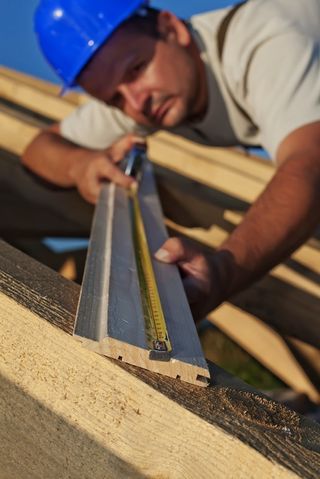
243, 75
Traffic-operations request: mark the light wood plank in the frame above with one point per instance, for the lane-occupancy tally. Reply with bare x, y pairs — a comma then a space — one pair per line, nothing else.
66, 412
35, 100
208, 171
42, 86
15, 135
234, 158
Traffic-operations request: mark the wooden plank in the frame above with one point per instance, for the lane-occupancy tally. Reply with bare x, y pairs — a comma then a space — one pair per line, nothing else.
264, 344
15, 135
234, 158
212, 171
66, 412
110, 318
43, 86
34, 99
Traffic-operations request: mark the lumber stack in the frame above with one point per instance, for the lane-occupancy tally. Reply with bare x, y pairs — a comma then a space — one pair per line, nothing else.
204, 192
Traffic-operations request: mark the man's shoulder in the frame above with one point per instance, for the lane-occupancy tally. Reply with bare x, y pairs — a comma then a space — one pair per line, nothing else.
209, 20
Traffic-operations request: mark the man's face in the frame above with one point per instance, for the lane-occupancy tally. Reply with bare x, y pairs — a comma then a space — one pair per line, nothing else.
155, 81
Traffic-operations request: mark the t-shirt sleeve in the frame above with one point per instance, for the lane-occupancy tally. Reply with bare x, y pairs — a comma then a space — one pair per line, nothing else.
96, 125
282, 87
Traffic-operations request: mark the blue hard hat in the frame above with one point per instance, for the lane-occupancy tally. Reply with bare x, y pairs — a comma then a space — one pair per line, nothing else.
70, 31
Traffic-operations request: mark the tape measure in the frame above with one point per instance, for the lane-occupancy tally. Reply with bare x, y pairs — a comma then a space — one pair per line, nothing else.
155, 325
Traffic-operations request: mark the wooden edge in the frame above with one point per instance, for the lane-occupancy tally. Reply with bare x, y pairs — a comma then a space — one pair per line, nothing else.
76, 411
131, 354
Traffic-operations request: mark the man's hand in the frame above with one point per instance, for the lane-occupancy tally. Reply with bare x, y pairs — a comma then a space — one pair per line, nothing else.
69, 165
92, 168
200, 273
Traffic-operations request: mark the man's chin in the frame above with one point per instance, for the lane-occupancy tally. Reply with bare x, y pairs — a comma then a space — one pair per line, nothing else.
172, 119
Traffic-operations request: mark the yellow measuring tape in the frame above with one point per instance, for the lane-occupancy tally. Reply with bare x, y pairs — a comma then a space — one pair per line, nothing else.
156, 329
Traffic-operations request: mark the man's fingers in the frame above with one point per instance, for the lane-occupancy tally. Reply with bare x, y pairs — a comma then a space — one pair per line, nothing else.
112, 173
175, 250
119, 149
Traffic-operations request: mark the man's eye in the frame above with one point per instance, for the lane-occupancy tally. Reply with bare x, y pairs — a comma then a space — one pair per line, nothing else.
115, 101
136, 70
139, 66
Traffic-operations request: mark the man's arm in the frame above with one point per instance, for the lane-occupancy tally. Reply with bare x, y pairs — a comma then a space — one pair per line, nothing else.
69, 165
280, 220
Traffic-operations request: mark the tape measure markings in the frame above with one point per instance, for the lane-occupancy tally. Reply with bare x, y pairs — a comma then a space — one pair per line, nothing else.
156, 329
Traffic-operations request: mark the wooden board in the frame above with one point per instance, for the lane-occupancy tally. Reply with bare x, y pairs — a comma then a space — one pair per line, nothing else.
66, 412
41, 85
110, 318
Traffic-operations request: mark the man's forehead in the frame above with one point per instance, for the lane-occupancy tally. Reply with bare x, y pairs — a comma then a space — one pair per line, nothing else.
113, 59
123, 46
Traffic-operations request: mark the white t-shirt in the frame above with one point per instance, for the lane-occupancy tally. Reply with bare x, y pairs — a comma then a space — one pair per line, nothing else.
271, 64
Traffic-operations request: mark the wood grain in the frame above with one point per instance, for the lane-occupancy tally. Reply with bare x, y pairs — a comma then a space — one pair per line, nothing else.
86, 416
42, 86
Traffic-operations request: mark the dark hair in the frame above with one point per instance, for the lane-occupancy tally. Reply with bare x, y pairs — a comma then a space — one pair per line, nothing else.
146, 20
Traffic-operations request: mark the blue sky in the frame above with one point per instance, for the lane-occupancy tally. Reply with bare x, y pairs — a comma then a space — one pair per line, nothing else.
18, 47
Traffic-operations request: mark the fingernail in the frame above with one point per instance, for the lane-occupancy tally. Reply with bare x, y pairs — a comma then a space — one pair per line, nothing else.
162, 255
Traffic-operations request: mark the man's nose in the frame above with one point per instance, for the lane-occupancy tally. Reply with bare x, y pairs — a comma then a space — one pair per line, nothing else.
135, 97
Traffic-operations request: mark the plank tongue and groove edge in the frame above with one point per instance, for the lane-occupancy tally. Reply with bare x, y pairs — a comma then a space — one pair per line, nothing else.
68, 413
110, 318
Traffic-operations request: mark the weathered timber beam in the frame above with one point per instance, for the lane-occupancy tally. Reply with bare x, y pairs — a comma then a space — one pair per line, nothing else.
67, 412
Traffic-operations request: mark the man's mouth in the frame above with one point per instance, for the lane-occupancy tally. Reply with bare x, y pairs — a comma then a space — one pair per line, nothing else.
159, 113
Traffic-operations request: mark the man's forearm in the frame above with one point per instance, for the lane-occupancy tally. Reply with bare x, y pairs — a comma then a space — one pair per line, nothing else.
281, 219
52, 157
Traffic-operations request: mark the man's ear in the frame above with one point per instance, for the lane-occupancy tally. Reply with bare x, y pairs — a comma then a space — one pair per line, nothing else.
171, 28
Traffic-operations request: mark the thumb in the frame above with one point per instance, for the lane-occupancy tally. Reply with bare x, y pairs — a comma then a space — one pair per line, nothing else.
119, 149
174, 250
